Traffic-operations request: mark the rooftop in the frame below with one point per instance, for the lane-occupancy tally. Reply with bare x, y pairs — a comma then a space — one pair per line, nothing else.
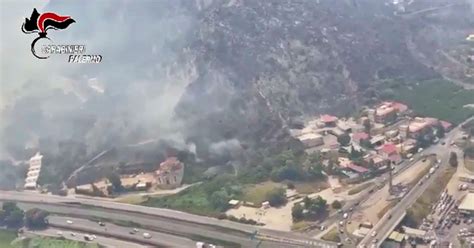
328, 118
377, 138
414, 232
396, 236
388, 148
171, 164
360, 136
310, 136
357, 168
446, 125
36, 156
467, 203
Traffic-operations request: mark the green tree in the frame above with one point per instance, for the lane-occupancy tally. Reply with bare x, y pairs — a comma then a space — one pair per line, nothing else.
336, 204
14, 218
316, 171
366, 143
276, 197
9, 206
220, 199
367, 126
440, 131
453, 159
297, 212
344, 139
318, 205
3, 215
36, 218
469, 151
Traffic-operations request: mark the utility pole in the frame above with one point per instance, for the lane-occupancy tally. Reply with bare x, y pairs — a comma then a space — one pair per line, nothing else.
390, 183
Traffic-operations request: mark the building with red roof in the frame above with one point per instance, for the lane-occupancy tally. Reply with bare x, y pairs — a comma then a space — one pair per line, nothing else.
328, 120
357, 137
388, 149
170, 174
446, 125
388, 111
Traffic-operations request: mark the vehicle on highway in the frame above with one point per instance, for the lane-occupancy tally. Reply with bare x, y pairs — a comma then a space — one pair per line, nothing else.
411, 159
133, 231
59, 233
73, 234
345, 215
147, 235
322, 228
420, 183
339, 244
389, 216
101, 223
443, 143
69, 222
375, 241
88, 237
373, 234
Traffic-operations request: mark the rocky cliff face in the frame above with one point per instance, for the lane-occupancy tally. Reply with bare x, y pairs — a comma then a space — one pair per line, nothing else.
207, 71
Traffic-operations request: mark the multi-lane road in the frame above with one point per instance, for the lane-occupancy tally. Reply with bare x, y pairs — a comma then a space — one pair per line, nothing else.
391, 219
163, 220
183, 226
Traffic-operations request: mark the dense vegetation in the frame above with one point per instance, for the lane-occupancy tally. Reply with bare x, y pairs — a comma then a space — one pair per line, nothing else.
6, 237
309, 209
13, 217
435, 98
212, 196
47, 242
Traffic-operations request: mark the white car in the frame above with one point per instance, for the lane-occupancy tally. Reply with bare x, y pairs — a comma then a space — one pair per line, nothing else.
374, 233
69, 222
73, 234
59, 233
147, 235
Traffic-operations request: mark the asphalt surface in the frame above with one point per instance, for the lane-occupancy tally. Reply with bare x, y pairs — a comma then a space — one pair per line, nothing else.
180, 228
171, 220
157, 238
79, 236
386, 224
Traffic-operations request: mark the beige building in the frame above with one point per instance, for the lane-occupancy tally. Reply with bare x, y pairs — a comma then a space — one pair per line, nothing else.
311, 140
33, 171
170, 174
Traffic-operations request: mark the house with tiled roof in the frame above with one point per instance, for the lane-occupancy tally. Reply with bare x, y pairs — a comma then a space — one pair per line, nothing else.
170, 173
328, 120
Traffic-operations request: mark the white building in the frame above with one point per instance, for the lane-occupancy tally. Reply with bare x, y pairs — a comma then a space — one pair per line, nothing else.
33, 171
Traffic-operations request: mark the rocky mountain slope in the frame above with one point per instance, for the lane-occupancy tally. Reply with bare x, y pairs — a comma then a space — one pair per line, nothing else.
207, 71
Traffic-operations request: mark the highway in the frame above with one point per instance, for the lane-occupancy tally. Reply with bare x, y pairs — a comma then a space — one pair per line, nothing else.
146, 217
79, 236
385, 225
121, 232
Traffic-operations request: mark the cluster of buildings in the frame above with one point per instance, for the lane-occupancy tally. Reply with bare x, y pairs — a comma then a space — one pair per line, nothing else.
31, 181
385, 134
168, 175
